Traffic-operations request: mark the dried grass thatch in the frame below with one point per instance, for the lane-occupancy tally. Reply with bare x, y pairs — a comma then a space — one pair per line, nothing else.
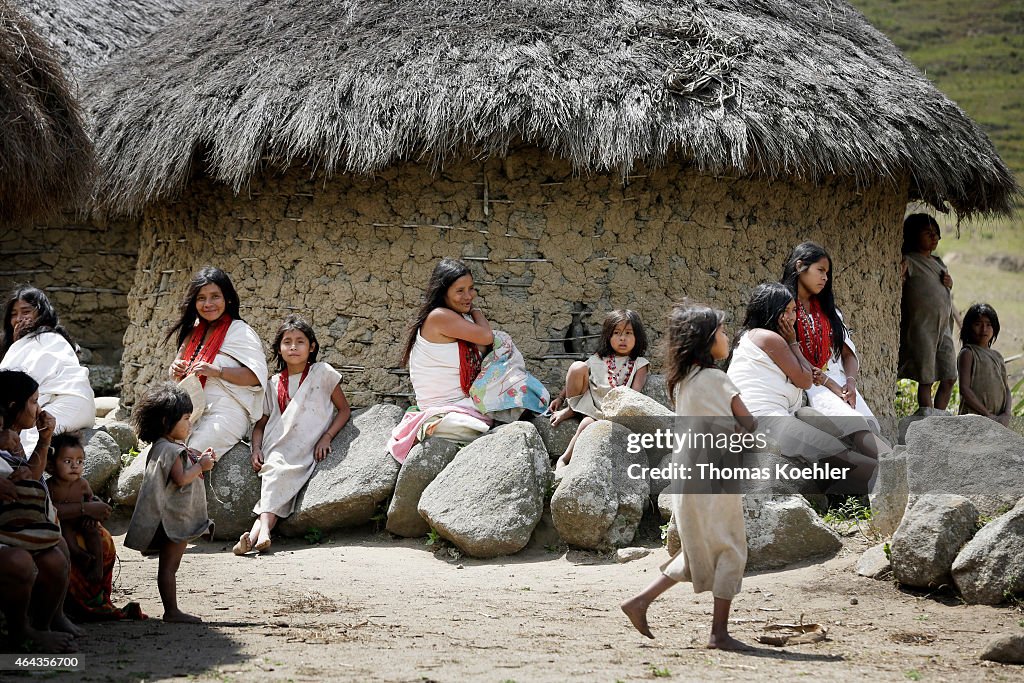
802, 87
45, 153
88, 33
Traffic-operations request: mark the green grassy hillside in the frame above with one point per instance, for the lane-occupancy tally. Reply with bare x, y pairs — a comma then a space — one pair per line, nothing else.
973, 50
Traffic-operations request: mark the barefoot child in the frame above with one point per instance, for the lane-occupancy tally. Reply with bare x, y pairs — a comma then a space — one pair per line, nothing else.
926, 321
79, 513
171, 509
984, 387
618, 362
295, 433
714, 543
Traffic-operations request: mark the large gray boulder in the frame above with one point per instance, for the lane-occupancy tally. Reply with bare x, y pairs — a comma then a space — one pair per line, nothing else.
597, 504
1005, 649
122, 433
990, 567
889, 496
125, 489
968, 455
640, 414
488, 500
782, 530
354, 479
102, 458
934, 529
657, 388
425, 461
232, 490
556, 439
917, 416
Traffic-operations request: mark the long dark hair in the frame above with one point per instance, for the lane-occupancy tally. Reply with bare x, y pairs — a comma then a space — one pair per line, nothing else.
446, 272
913, 226
808, 254
689, 337
16, 387
188, 313
294, 322
46, 316
613, 320
767, 303
975, 313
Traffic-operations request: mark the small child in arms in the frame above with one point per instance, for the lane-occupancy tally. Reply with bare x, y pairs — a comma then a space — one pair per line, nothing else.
80, 512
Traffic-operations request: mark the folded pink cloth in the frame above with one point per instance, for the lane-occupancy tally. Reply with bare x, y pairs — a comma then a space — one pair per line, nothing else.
406, 434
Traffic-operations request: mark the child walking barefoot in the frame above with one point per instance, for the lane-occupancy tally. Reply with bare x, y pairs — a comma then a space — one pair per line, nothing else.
73, 498
714, 542
926, 323
984, 386
171, 509
619, 362
295, 433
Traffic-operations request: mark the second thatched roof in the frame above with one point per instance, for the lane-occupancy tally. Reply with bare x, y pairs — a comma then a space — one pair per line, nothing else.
45, 153
791, 87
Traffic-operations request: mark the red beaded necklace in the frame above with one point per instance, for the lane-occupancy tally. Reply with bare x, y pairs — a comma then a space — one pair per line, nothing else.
815, 333
282, 387
613, 373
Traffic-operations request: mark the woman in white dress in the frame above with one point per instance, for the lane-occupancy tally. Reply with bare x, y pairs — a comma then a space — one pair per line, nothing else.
772, 374
225, 355
35, 342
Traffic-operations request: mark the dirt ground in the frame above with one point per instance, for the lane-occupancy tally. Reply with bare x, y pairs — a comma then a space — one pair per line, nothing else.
365, 607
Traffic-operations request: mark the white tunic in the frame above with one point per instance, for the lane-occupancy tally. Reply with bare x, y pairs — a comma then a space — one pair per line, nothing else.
434, 372
64, 389
765, 387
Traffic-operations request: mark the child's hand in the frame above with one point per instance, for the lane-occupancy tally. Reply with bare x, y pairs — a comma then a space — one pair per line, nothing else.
206, 461
818, 376
97, 509
947, 279
556, 404
323, 447
787, 330
257, 459
8, 491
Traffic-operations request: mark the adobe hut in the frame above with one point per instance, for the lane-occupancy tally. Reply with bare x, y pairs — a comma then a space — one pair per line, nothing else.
580, 155
86, 265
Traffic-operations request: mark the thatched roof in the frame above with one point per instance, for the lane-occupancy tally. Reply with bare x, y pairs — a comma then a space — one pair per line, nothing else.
45, 153
804, 87
88, 33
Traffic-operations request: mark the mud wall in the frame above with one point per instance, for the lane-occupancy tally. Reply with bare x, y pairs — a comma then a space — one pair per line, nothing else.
550, 252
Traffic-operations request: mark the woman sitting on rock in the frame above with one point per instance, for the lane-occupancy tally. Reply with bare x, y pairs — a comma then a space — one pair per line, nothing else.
222, 357
35, 342
772, 374
443, 352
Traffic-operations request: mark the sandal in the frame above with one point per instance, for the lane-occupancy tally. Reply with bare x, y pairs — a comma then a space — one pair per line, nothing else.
244, 544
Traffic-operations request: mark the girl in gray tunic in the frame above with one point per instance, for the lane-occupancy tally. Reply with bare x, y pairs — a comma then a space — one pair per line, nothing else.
927, 355
984, 387
171, 509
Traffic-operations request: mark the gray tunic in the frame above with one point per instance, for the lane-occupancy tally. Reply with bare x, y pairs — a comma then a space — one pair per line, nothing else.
181, 511
988, 379
927, 354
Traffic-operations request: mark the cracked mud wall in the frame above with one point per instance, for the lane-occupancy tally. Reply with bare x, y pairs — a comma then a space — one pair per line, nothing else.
551, 254
86, 267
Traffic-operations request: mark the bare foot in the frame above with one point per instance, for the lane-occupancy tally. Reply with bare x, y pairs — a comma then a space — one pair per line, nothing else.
726, 642
243, 546
636, 610
47, 641
560, 416
262, 544
179, 617
562, 462
61, 623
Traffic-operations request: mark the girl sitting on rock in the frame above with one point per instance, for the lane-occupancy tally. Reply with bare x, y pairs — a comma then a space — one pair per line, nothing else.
984, 388
714, 542
171, 508
619, 362
295, 433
